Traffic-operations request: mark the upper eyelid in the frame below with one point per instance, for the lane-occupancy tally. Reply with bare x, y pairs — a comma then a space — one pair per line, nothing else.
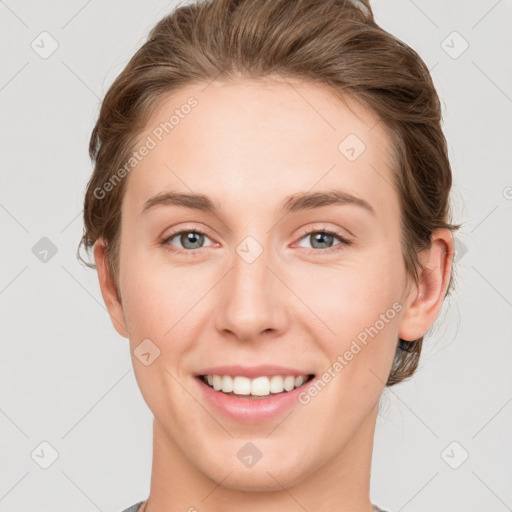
186, 230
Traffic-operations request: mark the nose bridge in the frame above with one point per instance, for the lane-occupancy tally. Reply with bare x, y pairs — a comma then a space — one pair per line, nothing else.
251, 299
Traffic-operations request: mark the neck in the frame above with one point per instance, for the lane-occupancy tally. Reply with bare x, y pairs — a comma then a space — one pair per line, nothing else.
342, 483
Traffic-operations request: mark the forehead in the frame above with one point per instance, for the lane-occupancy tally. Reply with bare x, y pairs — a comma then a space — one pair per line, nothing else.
247, 140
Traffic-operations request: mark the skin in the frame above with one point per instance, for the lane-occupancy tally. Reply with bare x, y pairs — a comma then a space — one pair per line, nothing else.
248, 145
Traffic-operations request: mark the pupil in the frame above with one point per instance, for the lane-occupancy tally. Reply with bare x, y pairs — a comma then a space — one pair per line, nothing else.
321, 235
189, 237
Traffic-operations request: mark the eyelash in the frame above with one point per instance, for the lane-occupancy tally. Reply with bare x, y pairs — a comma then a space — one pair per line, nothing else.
344, 242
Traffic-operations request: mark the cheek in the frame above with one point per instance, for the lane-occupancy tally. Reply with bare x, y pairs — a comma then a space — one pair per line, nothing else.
153, 310
351, 297
359, 308
157, 303
164, 302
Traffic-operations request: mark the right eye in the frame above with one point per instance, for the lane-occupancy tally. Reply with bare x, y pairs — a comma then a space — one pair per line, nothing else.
191, 241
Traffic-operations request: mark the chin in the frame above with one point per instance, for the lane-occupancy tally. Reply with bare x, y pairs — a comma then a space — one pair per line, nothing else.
259, 480
269, 475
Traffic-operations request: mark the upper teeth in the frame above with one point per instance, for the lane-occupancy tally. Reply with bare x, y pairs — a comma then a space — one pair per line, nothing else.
260, 386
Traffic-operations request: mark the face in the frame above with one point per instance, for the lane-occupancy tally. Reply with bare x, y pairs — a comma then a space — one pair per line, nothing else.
254, 280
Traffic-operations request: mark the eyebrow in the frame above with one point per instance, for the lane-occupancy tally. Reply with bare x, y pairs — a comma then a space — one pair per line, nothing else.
301, 201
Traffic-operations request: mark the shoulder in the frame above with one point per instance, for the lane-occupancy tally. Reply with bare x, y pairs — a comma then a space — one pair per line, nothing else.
134, 508
378, 509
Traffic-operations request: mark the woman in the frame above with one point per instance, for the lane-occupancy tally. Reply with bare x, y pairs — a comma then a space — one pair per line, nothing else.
269, 214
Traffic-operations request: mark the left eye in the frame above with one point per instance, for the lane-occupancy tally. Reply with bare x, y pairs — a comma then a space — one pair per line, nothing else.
323, 239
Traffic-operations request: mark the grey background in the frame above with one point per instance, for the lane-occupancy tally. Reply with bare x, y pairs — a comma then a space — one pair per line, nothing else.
66, 375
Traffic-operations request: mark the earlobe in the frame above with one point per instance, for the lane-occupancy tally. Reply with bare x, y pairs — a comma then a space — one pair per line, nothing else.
425, 299
108, 289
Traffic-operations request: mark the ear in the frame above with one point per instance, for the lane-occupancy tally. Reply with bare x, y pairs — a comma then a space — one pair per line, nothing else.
425, 299
108, 289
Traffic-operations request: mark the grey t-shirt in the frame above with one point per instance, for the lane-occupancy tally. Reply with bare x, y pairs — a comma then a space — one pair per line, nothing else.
135, 507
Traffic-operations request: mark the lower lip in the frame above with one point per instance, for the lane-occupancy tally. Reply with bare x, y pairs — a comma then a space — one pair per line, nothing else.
249, 410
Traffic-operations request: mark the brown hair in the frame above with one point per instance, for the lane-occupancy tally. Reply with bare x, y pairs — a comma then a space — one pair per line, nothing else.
333, 43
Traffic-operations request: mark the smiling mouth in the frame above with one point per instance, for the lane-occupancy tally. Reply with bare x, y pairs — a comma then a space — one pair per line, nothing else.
257, 388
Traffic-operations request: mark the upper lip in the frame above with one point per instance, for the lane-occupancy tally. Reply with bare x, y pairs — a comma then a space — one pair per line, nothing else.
253, 371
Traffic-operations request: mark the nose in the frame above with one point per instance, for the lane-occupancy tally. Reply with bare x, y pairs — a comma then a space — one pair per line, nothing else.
252, 300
